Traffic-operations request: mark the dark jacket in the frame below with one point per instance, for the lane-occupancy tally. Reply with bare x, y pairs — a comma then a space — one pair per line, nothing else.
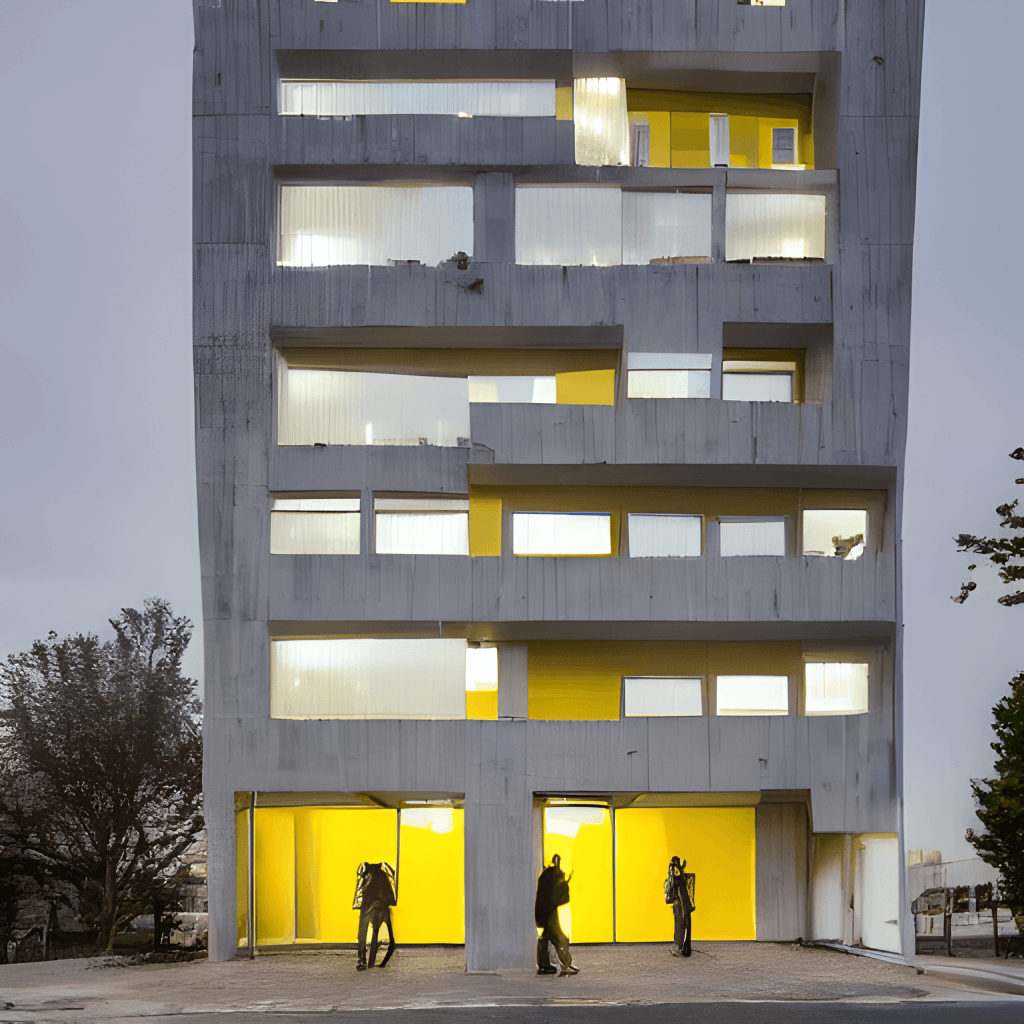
375, 885
552, 893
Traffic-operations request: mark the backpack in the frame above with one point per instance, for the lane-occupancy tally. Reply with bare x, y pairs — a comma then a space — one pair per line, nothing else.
670, 889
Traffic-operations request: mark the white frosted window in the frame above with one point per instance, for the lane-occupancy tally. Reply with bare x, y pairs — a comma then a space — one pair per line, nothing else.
348, 407
664, 536
783, 145
481, 669
475, 99
752, 535
660, 225
565, 227
839, 533
332, 225
752, 695
662, 697
757, 387
718, 139
835, 688
668, 375
532, 390
422, 526
567, 821
314, 526
439, 820
601, 121
561, 533
773, 226
368, 678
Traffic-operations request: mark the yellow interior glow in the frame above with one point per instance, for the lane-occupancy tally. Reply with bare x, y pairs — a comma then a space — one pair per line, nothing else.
582, 837
431, 888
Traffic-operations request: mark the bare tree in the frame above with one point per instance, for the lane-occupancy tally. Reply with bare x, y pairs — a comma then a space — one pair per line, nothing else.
101, 761
1007, 551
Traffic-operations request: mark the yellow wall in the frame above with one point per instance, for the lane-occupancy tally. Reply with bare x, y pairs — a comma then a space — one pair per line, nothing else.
581, 680
585, 387
431, 883
482, 704
306, 860
718, 845
242, 875
485, 522
588, 858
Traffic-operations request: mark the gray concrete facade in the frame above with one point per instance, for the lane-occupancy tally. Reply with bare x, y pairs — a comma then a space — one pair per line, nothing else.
861, 61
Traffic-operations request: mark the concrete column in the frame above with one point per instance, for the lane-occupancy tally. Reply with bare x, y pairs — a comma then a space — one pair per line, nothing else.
494, 226
513, 692
219, 810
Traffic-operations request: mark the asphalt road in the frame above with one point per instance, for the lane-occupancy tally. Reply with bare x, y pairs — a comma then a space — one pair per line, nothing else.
973, 1012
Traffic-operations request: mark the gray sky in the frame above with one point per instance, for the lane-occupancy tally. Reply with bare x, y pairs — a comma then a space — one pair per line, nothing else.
95, 299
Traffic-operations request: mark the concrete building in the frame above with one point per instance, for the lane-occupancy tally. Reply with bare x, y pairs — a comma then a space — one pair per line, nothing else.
551, 367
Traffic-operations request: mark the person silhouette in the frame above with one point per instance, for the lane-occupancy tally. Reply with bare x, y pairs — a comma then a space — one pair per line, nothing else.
374, 897
552, 893
679, 891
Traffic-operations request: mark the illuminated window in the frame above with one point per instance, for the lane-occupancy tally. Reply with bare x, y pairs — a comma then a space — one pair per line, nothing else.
314, 526
601, 121
758, 380
838, 533
422, 526
718, 139
752, 695
604, 227
835, 688
561, 533
368, 678
458, 99
530, 390
752, 535
345, 407
779, 226
482, 683
650, 697
664, 536
668, 375
582, 836
334, 225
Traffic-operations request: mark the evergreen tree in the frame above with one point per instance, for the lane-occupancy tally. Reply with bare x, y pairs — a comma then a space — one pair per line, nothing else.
101, 761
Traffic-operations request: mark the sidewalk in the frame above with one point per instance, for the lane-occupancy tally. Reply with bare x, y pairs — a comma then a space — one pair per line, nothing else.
423, 977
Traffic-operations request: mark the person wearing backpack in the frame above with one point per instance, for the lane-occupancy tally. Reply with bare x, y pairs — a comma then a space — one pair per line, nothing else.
376, 894
552, 893
679, 891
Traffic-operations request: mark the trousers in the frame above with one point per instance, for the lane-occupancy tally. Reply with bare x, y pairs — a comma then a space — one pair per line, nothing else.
371, 918
553, 933
682, 931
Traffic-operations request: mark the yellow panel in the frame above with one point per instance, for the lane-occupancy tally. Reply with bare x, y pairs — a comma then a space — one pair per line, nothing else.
563, 103
588, 858
347, 837
764, 128
661, 136
275, 875
242, 875
718, 845
691, 145
431, 882
307, 873
585, 387
482, 704
484, 525
743, 139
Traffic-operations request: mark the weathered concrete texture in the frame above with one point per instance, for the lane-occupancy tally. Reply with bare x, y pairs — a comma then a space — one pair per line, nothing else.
862, 60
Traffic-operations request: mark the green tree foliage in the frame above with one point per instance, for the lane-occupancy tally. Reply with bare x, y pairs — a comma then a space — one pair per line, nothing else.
1007, 551
101, 762
1000, 801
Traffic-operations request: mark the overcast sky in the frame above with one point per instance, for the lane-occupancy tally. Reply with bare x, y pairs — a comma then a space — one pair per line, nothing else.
97, 464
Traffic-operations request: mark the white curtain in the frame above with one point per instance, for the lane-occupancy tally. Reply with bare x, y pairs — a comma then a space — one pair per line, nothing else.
529, 390
822, 527
753, 535
753, 695
658, 698
333, 225
349, 407
422, 533
658, 225
835, 688
561, 533
479, 99
314, 533
664, 536
368, 679
601, 121
757, 387
567, 227
718, 139
481, 669
763, 226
